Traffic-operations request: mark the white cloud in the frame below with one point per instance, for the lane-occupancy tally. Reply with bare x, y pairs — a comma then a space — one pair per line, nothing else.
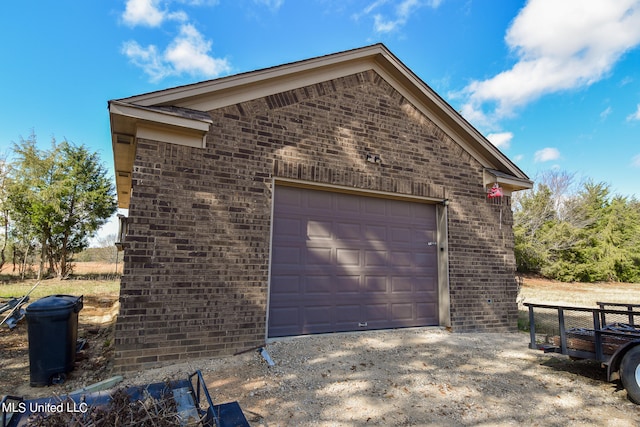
373, 6
146, 58
200, 2
187, 53
501, 140
560, 46
635, 115
625, 81
635, 162
147, 13
546, 155
143, 12
271, 4
389, 21
606, 112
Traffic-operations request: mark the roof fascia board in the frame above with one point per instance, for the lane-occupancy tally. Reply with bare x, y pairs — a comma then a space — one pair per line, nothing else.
144, 114
184, 93
258, 88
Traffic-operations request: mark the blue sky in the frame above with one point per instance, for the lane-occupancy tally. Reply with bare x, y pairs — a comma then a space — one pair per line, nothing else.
555, 84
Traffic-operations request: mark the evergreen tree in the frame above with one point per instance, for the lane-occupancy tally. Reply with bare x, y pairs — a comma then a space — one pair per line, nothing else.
59, 197
586, 236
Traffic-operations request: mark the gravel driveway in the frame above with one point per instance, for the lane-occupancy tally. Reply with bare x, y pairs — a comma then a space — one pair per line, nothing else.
414, 377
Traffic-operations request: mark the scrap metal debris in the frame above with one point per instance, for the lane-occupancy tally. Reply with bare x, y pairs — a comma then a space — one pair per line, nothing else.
16, 312
266, 357
14, 306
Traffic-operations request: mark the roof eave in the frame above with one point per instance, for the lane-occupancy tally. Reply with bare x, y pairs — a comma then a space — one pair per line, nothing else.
130, 122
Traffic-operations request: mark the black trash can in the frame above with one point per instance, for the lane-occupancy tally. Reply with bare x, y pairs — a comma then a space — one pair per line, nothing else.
53, 331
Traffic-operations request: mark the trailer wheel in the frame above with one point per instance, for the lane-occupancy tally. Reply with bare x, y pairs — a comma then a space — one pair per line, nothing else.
630, 373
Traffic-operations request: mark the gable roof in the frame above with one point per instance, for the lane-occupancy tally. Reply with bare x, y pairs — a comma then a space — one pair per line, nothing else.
181, 111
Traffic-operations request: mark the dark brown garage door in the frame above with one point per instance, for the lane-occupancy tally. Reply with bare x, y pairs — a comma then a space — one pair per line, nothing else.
344, 262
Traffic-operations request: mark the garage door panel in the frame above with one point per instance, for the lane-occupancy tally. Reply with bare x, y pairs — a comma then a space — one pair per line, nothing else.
427, 283
282, 317
292, 199
421, 215
347, 313
347, 205
427, 311
375, 258
402, 311
287, 285
287, 256
401, 211
376, 284
374, 233
424, 258
318, 315
287, 227
350, 263
401, 259
320, 203
347, 231
347, 257
318, 256
402, 235
318, 285
402, 284
345, 286
375, 207
317, 229
376, 313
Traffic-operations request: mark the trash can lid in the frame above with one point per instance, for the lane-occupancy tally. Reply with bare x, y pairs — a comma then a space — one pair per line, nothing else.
55, 302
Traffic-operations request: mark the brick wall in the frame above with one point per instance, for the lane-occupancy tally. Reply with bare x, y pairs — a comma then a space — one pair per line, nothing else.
197, 252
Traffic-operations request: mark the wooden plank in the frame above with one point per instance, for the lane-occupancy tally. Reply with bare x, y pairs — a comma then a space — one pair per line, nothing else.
584, 342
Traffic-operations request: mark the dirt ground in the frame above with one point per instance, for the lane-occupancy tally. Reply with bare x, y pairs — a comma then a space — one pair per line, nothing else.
413, 377
96, 323
423, 376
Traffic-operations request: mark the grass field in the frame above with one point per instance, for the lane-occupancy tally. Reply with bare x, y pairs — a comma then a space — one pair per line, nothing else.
60, 287
542, 291
81, 284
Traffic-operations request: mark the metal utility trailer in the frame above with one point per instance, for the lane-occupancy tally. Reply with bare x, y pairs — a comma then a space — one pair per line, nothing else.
193, 404
609, 334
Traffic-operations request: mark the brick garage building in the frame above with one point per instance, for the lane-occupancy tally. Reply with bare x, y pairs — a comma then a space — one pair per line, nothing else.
338, 193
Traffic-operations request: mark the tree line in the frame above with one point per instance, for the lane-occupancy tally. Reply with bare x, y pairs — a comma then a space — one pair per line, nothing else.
576, 232
52, 202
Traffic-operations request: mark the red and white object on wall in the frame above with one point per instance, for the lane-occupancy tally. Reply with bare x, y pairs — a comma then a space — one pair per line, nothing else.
495, 191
